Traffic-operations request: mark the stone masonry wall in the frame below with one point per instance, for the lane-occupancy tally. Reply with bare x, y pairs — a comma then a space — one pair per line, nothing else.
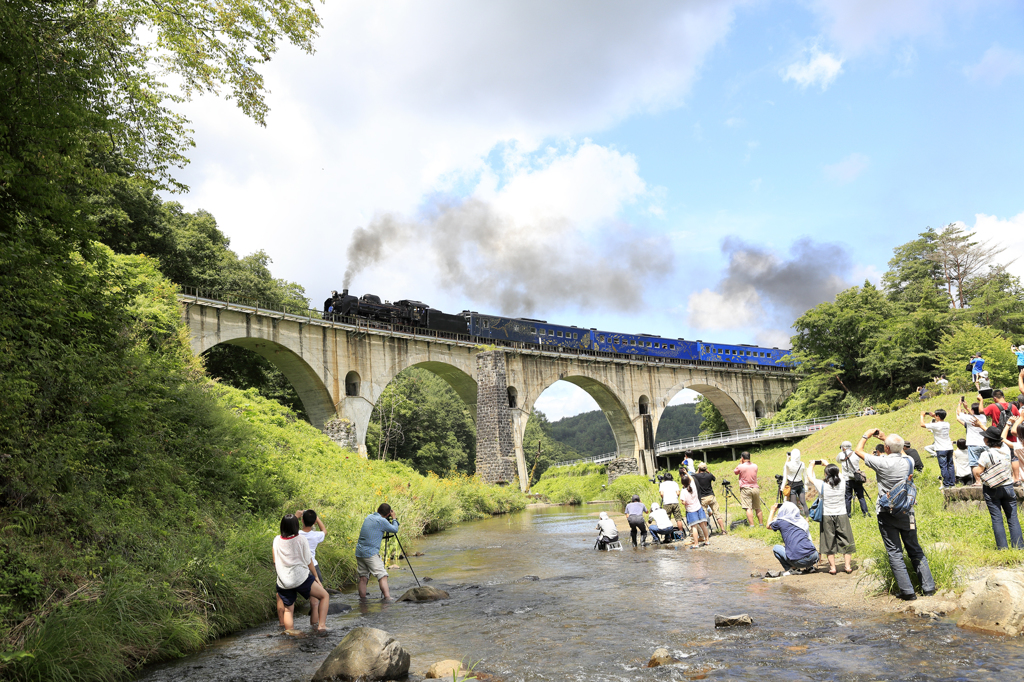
495, 447
620, 466
342, 432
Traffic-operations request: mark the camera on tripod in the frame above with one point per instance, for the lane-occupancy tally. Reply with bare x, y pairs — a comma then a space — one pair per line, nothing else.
778, 478
726, 483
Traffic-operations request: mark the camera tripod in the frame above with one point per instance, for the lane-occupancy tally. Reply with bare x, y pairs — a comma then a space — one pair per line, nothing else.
727, 488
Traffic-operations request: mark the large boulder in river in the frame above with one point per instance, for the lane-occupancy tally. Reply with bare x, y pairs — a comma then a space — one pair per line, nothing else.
998, 608
365, 654
424, 593
661, 656
732, 621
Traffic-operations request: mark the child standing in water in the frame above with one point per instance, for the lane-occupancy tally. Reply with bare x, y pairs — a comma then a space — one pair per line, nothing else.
296, 575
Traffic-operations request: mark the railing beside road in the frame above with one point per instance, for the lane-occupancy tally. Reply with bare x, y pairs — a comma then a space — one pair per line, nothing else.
599, 459
801, 427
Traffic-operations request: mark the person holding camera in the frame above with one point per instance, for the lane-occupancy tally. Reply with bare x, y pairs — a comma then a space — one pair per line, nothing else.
660, 524
704, 478
696, 518
293, 563
368, 561
608, 533
669, 491
942, 446
794, 474
962, 463
993, 468
898, 529
975, 421
849, 471
835, 531
750, 492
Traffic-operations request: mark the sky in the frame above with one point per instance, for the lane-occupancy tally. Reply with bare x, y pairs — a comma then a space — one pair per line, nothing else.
701, 170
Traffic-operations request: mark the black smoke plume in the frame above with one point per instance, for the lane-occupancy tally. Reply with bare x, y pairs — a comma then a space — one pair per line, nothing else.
520, 269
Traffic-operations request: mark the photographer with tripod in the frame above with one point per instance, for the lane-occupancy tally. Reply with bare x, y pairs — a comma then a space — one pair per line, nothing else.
368, 561
703, 478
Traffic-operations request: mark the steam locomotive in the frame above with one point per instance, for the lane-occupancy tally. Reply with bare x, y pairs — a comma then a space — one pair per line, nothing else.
542, 333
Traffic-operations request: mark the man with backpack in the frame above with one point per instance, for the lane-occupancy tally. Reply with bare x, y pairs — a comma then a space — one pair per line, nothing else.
1000, 412
894, 509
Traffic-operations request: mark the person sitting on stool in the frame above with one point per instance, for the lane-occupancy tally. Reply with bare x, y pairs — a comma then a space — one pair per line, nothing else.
607, 532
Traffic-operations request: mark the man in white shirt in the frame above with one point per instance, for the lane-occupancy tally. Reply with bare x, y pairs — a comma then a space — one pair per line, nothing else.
943, 445
661, 525
670, 490
975, 421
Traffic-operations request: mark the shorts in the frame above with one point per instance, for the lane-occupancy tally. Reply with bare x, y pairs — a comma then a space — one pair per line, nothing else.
710, 503
288, 595
693, 518
371, 565
672, 510
750, 498
985, 393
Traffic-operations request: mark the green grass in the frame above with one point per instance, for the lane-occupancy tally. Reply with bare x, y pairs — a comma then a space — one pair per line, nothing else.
573, 484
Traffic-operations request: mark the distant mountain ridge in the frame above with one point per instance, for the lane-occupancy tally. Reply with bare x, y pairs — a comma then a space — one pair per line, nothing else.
588, 433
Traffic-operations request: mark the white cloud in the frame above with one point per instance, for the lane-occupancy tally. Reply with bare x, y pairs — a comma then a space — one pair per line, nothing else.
997, 64
821, 68
1008, 233
847, 170
405, 99
737, 309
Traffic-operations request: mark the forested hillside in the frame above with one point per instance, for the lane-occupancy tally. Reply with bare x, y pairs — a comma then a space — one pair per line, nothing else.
138, 497
588, 433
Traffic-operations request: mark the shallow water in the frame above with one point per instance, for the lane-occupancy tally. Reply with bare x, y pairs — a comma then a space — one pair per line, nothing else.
531, 600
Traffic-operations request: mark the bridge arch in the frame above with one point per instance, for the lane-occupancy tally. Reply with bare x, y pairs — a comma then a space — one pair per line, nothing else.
313, 393
731, 411
612, 406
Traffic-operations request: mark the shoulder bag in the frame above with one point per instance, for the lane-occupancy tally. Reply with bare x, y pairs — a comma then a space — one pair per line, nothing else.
901, 498
997, 475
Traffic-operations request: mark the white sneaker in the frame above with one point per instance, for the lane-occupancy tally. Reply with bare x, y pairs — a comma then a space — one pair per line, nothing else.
785, 573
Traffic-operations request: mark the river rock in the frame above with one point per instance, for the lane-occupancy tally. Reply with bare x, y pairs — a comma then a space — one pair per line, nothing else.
444, 669
419, 594
365, 654
732, 621
999, 607
661, 656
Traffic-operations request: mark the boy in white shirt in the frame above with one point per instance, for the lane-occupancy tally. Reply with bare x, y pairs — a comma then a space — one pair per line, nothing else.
943, 446
670, 490
314, 538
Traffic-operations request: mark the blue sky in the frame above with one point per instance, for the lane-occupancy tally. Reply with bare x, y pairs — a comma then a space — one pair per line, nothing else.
693, 169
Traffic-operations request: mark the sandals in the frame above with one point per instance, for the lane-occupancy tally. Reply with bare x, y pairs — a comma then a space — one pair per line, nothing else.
847, 571
832, 571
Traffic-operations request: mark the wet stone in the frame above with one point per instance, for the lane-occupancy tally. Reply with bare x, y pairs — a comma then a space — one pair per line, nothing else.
661, 656
732, 621
422, 594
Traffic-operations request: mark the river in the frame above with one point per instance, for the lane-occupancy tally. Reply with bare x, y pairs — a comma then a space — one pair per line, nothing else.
531, 600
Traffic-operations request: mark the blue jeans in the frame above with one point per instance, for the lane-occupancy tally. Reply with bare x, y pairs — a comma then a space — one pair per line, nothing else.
898, 532
1003, 500
973, 453
945, 458
787, 565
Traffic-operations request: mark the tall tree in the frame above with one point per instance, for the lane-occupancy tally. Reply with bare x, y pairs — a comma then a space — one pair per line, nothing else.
962, 259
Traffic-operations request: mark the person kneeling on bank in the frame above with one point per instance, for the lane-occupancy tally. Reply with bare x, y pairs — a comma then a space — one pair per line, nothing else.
607, 532
661, 525
797, 553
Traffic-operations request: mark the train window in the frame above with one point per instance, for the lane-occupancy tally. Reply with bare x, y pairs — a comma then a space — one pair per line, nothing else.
487, 323
533, 330
575, 335
671, 346
558, 334
551, 332
648, 344
601, 338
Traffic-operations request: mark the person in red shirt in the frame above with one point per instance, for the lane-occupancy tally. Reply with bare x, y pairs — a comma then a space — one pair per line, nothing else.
994, 410
750, 493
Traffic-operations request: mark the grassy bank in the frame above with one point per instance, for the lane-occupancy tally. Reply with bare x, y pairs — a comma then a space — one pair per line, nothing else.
969, 533
139, 499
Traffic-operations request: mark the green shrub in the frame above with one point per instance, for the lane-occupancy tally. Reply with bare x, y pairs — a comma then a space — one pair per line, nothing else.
624, 487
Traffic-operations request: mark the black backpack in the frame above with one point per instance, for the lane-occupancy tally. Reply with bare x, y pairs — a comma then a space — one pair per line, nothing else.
1005, 414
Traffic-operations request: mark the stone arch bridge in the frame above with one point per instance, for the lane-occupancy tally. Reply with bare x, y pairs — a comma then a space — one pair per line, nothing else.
340, 370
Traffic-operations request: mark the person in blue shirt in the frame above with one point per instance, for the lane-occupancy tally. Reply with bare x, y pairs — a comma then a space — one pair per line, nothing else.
1019, 352
368, 561
977, 363
797, 553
